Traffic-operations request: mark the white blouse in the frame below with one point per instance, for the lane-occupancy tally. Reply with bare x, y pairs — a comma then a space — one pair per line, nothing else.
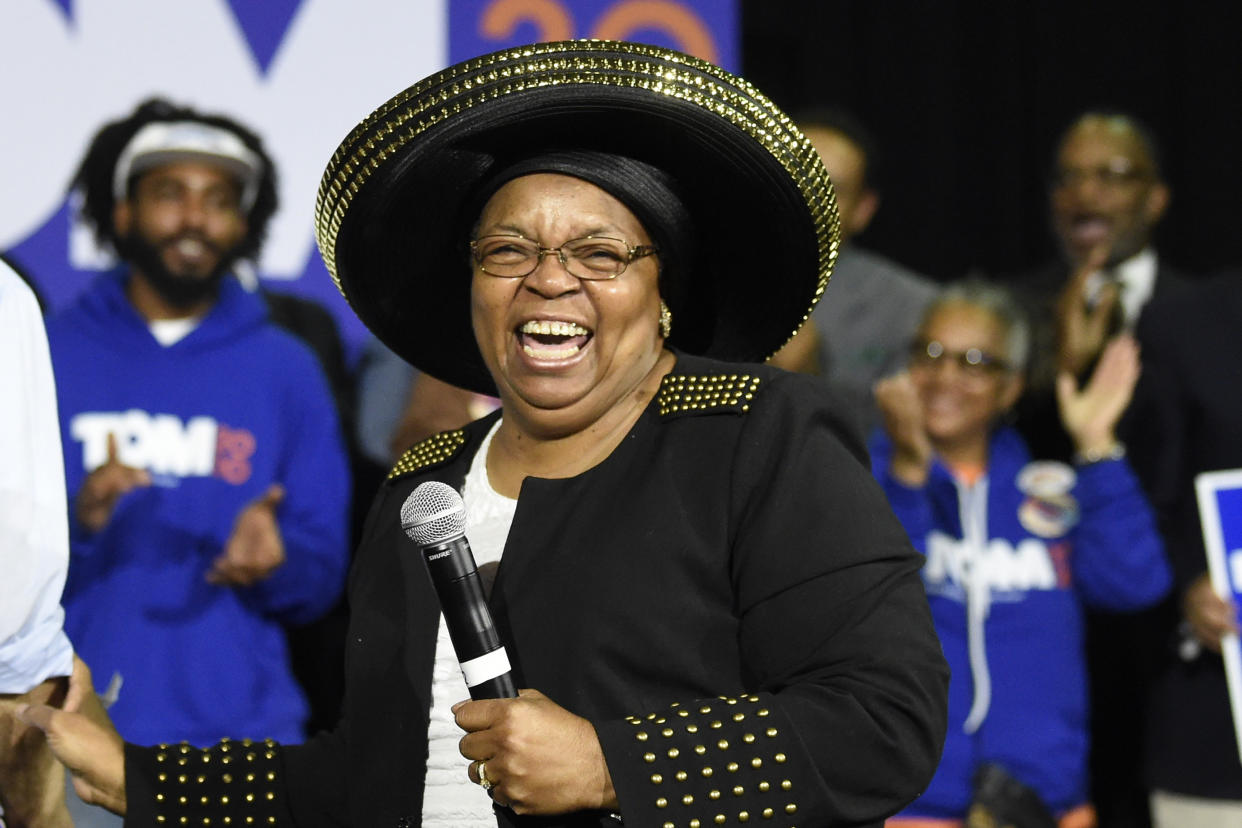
450, 799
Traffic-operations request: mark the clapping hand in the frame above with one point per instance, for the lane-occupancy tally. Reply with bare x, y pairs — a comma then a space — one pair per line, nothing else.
1083, 325
255, 548
902, 410
104, 486
1090, 414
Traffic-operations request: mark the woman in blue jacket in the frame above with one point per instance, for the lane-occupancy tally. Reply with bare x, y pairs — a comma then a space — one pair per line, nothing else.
1014, 549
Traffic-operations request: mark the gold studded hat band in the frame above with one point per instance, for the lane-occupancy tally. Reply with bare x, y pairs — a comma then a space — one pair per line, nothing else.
391, 216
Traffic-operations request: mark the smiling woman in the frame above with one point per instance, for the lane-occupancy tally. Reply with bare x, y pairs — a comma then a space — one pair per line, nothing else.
1014, 549
714, 614
557, 384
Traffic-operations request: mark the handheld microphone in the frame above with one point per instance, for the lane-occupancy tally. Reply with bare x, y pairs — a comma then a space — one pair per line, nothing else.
434, 517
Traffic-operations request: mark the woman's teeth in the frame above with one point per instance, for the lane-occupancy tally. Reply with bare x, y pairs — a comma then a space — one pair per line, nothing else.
551, 353
569, 337
553, 328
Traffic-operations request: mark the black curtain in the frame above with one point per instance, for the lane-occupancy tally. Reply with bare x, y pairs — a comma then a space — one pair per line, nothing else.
966, 100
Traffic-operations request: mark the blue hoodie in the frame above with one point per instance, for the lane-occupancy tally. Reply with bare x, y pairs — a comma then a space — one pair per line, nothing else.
1046, 539
215, 418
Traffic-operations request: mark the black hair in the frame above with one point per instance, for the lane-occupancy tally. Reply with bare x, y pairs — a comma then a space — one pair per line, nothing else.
93, 179
1140, 129
855, 131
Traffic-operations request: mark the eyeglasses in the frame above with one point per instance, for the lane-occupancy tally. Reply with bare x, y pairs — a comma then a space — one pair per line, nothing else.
590, 257
1114, 173
973, 363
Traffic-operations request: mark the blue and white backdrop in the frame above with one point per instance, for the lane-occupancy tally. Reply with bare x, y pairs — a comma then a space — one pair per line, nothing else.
301, 72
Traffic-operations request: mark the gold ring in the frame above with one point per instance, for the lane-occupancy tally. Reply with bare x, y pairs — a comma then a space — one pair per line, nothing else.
484, 782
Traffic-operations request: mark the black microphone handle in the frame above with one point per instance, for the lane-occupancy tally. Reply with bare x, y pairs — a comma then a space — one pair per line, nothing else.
469, 621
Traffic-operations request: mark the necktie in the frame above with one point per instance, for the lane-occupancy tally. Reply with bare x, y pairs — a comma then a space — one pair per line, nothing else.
1096, 285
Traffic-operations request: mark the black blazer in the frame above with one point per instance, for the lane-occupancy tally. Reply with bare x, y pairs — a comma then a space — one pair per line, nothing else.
727, 598
1196, 355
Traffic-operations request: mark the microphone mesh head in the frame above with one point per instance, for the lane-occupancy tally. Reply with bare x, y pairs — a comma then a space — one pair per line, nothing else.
433, 514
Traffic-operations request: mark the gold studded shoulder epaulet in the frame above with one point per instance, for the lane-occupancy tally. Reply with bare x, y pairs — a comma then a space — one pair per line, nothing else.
687, 394
434, 450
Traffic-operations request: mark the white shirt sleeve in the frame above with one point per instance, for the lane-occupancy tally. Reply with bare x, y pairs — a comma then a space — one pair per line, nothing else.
34, 530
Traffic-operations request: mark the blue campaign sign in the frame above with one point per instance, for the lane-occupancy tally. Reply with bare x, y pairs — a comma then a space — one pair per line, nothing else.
707, 29
1220, 512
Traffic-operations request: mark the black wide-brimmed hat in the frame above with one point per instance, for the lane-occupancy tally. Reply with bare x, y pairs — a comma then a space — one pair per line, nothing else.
400, 195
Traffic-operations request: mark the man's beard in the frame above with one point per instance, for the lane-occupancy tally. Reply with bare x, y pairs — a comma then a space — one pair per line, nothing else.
180, 291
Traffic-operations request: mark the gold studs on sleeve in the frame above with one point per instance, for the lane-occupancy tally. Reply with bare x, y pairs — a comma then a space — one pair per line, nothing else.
232, 783
716, 762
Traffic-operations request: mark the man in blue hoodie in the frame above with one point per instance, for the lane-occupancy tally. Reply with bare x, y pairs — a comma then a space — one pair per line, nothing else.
208, 482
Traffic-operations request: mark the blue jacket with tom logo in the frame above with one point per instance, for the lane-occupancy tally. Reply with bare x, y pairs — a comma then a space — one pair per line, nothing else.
1011, 562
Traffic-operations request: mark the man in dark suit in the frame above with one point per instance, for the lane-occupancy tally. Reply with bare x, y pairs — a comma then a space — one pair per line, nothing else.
1192, 754
1107, 194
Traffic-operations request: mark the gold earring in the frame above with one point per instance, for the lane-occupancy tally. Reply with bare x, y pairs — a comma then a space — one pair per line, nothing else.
666, 320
